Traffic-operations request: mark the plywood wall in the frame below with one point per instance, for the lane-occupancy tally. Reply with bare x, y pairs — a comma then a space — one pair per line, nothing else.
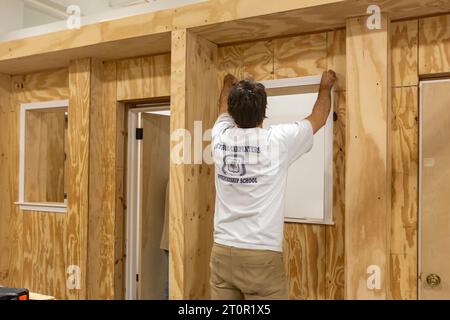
36, 243
314, 255
434, 37
36, 248
420, 48
34, 252
143, 77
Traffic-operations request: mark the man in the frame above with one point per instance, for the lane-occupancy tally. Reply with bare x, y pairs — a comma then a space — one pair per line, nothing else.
251, 173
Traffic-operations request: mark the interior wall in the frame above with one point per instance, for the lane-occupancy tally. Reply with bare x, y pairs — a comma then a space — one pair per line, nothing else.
36, 245
143, 77
122, 80
33, 247
420, 49
314, 254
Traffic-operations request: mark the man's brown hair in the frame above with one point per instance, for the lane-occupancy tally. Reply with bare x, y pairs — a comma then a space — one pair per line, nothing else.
247, 103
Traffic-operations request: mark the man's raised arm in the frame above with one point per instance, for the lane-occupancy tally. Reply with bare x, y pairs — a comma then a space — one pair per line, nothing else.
322, 108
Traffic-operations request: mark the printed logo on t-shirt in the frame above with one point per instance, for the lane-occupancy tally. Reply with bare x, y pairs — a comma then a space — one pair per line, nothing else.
234, 166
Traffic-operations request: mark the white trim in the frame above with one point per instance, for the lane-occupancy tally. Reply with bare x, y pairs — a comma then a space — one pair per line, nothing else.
310, 221
328, 174
419, 218
113, 14
132, 207
24, 107
419, 253
42, 207
292, 82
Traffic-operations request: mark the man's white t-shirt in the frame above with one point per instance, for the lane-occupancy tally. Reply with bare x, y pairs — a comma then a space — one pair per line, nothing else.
251, 175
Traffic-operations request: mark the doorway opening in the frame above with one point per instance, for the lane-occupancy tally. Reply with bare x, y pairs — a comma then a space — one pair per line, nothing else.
148, 157
434, 188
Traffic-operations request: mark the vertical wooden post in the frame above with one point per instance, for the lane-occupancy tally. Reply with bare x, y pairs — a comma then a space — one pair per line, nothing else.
103, 153
6, 174
367, 188
85, 94
194, 95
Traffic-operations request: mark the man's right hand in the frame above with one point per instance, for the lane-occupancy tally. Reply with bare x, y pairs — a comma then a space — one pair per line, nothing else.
230, 80
321, 110
328, 80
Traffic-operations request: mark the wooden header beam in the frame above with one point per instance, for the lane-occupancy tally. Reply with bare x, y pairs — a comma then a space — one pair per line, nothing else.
220, 22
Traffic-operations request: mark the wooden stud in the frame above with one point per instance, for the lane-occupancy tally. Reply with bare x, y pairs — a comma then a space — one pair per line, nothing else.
177, 172
102, 180
367, 178
404, 210
335, 234
336, 42
194, 72
81, 91
119, 243
6, 192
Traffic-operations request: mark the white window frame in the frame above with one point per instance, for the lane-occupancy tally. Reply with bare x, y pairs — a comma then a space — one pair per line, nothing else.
35, 206
306, 82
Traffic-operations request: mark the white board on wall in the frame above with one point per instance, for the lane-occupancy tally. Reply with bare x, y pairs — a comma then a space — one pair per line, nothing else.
309, 186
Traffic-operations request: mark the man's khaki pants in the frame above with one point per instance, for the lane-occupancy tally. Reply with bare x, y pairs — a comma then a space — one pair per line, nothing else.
238, 274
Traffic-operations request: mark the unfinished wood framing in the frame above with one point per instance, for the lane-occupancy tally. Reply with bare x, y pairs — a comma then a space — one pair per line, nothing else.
102, 183
375, 210
367, 188
404, 148
194, 71
37, 243
434, 35
143, 78
221, 22
6, 173
404, 205
84, 86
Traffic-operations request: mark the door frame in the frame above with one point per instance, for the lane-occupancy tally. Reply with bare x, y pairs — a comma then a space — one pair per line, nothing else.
133, 196
419, 254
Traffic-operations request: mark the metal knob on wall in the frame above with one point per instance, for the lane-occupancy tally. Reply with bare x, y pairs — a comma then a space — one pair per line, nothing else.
433, 280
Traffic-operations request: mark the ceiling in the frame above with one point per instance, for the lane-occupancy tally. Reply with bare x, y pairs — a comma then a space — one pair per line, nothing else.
19, 14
